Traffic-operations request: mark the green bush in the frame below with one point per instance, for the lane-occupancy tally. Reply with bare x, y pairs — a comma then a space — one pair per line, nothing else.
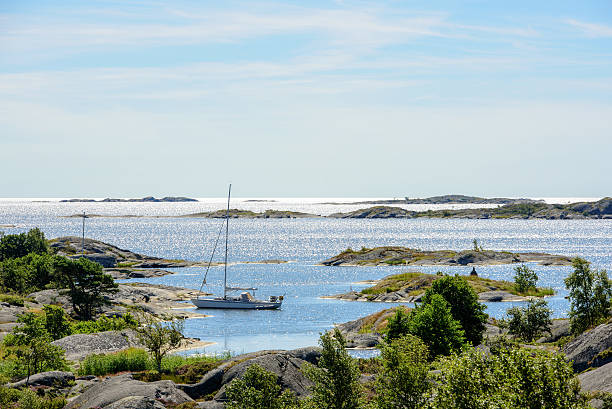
525, 279
434, 324
20, 245
28, 399
590, 294
103, 324
132, 359
464, 305
529, 322
514, 378
397, 325
402, 382
258, 389
26, 274
12, 299
336, 376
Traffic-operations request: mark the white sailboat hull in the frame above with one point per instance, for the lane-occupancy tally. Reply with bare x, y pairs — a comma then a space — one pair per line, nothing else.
238, 304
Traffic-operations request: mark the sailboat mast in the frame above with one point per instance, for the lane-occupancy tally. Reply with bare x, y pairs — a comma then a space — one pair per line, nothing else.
229, 193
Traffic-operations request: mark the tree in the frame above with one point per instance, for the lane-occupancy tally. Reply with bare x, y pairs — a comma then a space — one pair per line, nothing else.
529, 322
464, 305
258, 389
590, 293
402, 383
525, 279
336, 377
434, 324
20, 245
56, 323
514, 379
26, 274
86, 284
160, 338
32, 344
397, 325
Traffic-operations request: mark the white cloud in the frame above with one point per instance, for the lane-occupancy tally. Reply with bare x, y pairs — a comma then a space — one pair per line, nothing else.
591, 29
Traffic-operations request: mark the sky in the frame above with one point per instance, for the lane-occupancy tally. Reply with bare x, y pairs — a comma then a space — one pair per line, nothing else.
305, 98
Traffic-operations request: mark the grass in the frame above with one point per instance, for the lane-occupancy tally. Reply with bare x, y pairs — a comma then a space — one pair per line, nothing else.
178, 368
13, 299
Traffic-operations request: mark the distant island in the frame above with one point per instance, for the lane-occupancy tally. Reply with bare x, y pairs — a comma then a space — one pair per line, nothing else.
144, 199
601, 209
446, 199
395, 255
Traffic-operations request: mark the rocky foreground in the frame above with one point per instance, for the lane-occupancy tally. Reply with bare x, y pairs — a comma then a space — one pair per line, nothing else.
393, 255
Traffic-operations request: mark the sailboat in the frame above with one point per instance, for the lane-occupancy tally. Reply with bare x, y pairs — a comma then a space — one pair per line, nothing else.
246, 299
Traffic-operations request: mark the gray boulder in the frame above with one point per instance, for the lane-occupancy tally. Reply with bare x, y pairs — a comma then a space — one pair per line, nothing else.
52, 378
597, 380
498, 296
285, 366
79, 346
111, 394
560, 328
587, 349
106, 260
356, 340
136, 402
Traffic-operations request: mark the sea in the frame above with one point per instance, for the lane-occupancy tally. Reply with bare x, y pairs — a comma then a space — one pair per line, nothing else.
147, 228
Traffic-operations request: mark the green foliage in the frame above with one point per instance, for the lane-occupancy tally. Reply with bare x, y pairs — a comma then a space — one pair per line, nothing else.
258, 389
132, 359
475, 245
513, 379
336, 377
160, 338
525, 279
56, 323
26, 274
434, 324
20, 245
529, 322
86, 284
104, 323
13, 299
397, 325
464, 305
590, 293
402, 383
28, 399
30, 344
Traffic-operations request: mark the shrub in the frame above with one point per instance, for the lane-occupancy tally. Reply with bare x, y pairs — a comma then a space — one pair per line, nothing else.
12, 299
464, 305
434, 324
397, 325
28, 399
132, 359
525, 279
56, 323
258, 389
589, 293
514, 378
26, 274
20, 245
402, 383
529, 322
160, 338
336, 377
104, 323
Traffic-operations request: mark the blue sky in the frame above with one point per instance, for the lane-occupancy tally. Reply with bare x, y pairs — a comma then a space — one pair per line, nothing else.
318, 98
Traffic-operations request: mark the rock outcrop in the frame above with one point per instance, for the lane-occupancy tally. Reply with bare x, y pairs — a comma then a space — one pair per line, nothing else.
285, 364
56, 379
79, 346
590, 349
148, 199
123, 391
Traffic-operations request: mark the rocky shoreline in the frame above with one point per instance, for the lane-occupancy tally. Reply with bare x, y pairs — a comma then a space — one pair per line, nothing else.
148, 199
445, 199
395, 255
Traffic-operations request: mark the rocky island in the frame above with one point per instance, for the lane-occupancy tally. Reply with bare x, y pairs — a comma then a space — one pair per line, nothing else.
409, 287
389, 255
601, 209
447, 199
248, 214
148, 199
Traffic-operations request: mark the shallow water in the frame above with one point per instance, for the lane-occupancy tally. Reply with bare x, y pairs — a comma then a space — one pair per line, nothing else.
306, 242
